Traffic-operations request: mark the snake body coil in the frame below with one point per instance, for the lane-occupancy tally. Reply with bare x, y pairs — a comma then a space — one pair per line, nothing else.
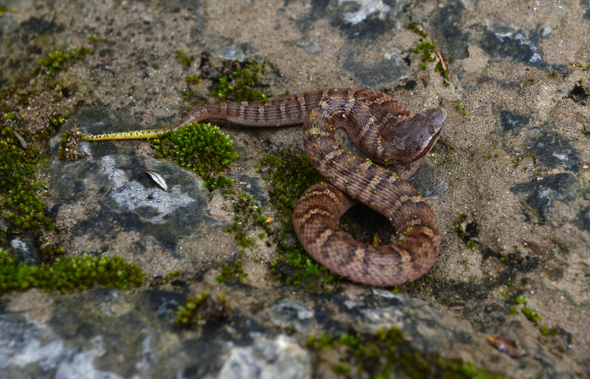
394, 140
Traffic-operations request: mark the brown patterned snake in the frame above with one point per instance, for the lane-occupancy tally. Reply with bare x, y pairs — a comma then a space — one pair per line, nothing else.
382, 129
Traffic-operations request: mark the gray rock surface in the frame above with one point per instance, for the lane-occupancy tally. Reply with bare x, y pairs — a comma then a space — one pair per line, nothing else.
509, 182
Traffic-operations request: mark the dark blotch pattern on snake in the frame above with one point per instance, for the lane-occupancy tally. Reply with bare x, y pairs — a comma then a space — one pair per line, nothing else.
394, 140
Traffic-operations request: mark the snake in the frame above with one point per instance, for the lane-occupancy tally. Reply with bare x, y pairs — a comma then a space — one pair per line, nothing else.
393, 140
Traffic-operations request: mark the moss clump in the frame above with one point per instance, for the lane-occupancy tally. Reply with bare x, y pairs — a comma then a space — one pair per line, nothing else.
4, 9
201, 308
231, 272
415, 29
289, 175
190, 80
18, 190
387, 354
238, 81
247, 212
59, 60
201, 148
184, 59
427, 48
68, 273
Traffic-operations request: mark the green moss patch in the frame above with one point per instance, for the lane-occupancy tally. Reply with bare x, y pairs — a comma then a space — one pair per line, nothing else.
203, 307
19, 192
202, 148
238, 82
247, 212
289, 175
67, 274
58, 60
388, 354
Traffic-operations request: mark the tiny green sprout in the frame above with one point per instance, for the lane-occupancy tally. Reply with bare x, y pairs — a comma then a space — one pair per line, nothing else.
581, 80
184, 59
470, 244
544, 330
92, 38
531, 315
459, 106
193, 79
415, 29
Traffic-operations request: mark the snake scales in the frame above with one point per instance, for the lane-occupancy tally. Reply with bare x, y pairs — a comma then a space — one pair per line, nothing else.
395, 142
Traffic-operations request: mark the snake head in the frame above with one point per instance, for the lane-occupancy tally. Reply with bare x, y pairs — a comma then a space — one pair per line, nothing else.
414, 137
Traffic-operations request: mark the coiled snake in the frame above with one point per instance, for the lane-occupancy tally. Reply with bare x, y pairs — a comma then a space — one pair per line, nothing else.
394, 141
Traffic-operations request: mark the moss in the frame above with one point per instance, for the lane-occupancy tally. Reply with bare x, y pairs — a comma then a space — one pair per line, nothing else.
58, 60
170, 277
201, 148
190, 81
531, 315
388, 354
246, 212
201, 308
461, 108
18, 190
239, 80
289, 175
5, 9
184, 59
68, 274
232, 271
426, 48
415, 29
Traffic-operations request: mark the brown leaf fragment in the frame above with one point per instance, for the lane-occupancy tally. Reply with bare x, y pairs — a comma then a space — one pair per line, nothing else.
158, 178
505, 345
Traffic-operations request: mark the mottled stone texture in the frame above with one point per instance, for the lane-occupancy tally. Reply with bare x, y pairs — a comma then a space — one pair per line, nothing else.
509, 183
